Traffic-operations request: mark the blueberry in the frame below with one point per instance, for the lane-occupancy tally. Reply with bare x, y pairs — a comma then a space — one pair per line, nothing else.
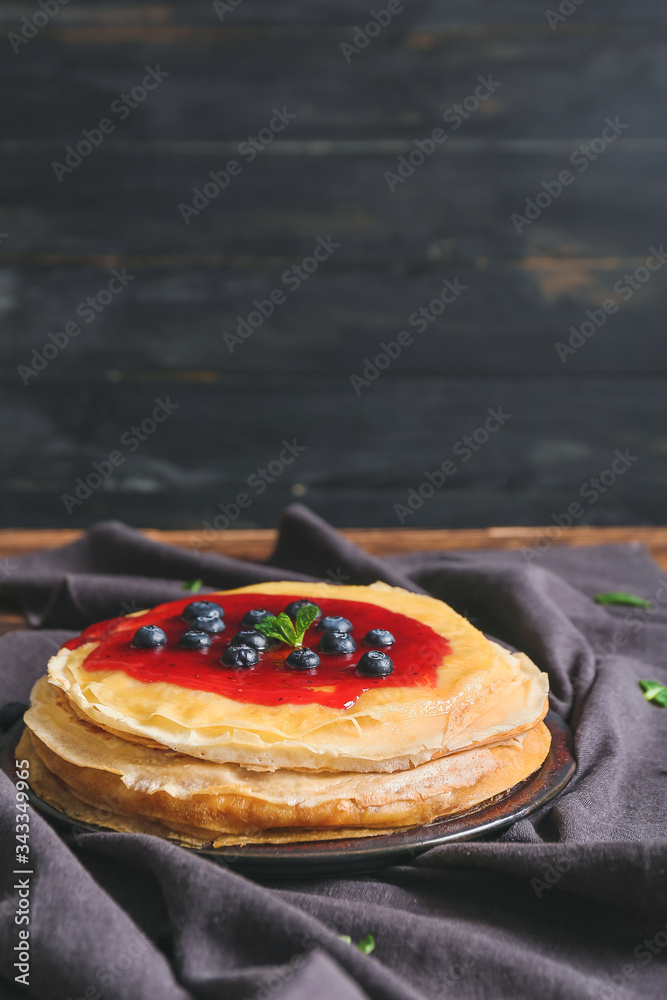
303, 659
194, 640
239, 657
337, 642
210, 625
335, 623
149, 637
379, 637
202, 609
375, 663
254, 639
253, 617
292, 608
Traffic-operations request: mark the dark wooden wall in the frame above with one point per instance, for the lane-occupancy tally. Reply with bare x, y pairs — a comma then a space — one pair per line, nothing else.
323, 176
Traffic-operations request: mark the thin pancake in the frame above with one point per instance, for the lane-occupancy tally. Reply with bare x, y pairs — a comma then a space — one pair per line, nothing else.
482, 693
185, 794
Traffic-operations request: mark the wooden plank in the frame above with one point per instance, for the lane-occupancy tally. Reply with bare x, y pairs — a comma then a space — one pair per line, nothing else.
394, 89
257, 544
129, 203
363, 453
508, 320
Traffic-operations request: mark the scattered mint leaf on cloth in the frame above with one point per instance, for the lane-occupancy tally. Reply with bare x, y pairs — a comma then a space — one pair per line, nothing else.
365, 946
619, 597
192, 585
655, 692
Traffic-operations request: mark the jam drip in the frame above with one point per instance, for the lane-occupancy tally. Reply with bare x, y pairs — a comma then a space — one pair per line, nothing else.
417, 653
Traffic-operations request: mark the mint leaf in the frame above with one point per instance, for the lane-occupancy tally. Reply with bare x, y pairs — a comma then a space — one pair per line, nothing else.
282, 627
193, 585
286, 626
367, 945
304, 619
654, 692
278, 627
650, 688
619, 597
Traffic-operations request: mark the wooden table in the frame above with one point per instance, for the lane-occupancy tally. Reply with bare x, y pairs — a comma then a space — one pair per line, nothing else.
258, 544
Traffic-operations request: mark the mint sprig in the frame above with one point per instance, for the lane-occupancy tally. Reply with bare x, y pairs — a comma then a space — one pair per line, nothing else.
655, 692
282, 628
620, 597
192, 585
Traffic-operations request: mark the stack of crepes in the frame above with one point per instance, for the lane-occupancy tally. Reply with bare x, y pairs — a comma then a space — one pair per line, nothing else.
111, 746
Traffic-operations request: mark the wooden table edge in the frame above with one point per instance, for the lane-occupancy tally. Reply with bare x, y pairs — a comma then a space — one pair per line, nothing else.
258, 544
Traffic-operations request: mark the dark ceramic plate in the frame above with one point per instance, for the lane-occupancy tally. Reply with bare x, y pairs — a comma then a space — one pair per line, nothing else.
342, 857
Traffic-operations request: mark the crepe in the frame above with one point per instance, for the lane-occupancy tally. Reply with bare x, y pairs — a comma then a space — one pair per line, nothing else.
112, 743
482, 692
103, 779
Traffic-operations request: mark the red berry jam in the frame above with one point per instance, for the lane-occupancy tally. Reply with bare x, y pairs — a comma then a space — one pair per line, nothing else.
416, 654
